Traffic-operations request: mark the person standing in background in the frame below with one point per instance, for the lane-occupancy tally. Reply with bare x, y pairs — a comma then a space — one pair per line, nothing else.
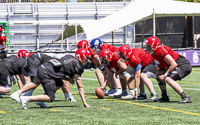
3, 53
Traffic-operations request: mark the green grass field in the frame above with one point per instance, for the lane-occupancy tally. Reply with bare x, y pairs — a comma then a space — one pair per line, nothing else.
106, 111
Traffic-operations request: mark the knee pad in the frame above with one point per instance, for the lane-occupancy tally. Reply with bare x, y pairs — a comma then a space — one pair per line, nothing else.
160, 82
174, 76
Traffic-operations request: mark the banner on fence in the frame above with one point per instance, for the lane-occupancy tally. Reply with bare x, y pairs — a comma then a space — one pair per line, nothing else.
192, 55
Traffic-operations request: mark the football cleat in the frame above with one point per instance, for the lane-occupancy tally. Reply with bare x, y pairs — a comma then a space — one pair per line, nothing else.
124, 93
15, 97
185, 100
163, 99
142, 97
23, 100
130, 95
71, 99
118, 92
110, 92
42, 104
153, 97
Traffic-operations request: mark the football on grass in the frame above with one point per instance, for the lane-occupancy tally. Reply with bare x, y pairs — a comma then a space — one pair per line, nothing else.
99, 92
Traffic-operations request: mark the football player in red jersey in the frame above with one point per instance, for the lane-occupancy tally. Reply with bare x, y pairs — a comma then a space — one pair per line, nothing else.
143, 64
115, 65
103, 72
94, 56
171, 67
3, 52
97, 45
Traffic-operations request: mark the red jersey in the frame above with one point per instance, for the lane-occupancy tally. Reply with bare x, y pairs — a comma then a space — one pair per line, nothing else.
108, 46
140, 56
113, 64
2, 39
160, 54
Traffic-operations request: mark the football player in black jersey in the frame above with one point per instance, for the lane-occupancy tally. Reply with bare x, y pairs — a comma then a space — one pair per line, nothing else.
33, 62
54, 71
11, 66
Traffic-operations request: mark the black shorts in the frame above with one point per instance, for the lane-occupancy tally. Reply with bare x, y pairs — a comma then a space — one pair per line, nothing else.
49, 84
102, 67
5, 80
183, 69
3, 54
25, 72
34, 79
4, 75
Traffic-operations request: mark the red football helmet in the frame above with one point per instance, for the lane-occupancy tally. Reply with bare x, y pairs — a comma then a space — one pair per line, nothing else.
124, 51
1, 29
22, 53
83, 54
83, 44
153, 43
105, 55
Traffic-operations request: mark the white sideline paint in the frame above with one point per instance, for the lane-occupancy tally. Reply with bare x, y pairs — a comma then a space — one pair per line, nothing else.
153, 85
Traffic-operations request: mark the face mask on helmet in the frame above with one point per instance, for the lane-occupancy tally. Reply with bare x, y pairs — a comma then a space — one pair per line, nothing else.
96, 50
83, 59
121, 55
149, 49
152, 44
105, 60
82, 54
106, 56
124, 51
95, 44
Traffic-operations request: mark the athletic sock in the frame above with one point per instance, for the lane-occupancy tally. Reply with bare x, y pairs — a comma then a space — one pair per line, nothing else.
124, 90
154, 93
26, 97
29, 92
164, 93
131, 90
142, 93
19, 92
70, 95
66, 95
183, 95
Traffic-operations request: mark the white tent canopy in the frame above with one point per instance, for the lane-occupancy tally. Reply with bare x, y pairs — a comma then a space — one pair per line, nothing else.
139, 10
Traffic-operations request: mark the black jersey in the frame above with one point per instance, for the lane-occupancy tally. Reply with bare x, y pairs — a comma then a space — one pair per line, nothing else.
14, 65
45, 58
72, 65
34, 61
54, 72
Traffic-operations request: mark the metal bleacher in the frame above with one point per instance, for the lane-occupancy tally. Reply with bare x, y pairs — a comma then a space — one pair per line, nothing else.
34, 26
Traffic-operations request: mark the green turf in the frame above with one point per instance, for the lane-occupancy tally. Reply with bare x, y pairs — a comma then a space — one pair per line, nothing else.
106, 111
